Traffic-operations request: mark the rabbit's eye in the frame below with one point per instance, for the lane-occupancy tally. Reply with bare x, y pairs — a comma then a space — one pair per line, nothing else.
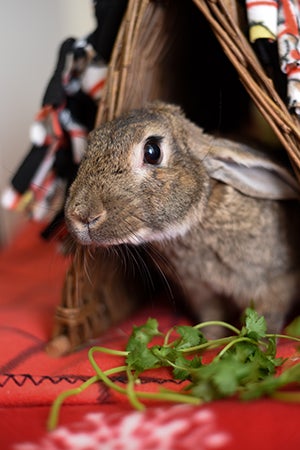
152, 153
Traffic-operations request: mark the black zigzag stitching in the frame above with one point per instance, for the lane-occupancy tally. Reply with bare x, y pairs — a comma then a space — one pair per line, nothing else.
21, 379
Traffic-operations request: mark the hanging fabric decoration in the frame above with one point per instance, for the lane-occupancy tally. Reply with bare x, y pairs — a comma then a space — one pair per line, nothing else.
274, 32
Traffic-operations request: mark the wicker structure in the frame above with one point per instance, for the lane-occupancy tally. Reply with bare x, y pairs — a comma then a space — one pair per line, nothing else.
146, 64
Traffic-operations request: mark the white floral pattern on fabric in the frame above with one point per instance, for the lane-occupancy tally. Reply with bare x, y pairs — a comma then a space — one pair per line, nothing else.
163, 428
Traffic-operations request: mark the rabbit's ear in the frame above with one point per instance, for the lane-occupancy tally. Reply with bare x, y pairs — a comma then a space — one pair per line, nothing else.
251, 173
165, 108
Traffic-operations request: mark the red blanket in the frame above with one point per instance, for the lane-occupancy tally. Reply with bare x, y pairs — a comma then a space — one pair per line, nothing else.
31, 274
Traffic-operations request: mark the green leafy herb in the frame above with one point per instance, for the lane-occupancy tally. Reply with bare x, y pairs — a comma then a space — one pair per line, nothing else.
294, 327
244, 365
139, 357
190, 337
255, 325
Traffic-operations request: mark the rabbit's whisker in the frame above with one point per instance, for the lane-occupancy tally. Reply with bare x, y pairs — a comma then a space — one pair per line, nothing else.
135, 253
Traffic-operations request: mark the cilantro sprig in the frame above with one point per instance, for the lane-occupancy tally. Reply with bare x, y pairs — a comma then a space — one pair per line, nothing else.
244, 364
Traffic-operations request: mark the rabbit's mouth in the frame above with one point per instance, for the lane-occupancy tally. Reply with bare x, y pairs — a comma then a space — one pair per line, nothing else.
86, 236
99, 231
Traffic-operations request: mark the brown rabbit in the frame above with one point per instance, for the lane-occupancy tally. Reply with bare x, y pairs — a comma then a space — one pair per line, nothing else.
225, 217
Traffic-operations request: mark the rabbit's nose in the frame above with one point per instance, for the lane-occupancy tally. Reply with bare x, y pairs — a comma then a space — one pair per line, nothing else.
90, 219
95, 219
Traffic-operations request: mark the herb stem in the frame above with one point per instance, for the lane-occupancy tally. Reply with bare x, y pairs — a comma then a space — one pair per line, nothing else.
55, 409
164, 396
167, 336
104, 375
217, 323
110, 351
131, 393
170, 397
283, 336
209, 344
231, 344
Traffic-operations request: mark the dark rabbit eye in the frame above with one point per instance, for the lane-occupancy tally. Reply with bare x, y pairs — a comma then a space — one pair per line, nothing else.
152, 153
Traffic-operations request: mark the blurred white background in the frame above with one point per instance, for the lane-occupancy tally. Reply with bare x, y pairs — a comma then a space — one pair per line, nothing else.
31, 32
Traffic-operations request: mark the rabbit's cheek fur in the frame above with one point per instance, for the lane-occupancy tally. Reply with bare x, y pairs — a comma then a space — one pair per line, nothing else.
98, 219
179, 191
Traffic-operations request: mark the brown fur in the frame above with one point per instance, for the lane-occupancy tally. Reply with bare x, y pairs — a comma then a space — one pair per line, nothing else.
223, 238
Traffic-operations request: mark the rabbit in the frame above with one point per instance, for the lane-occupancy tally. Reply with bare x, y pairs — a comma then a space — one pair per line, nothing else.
223, 217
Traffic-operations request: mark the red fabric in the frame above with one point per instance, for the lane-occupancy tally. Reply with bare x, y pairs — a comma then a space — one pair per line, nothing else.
31, 276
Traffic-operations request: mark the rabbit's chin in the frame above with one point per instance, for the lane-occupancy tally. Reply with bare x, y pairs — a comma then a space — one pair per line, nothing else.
86, 236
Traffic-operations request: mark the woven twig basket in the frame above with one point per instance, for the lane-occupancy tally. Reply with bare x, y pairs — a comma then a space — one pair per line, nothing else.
142, 68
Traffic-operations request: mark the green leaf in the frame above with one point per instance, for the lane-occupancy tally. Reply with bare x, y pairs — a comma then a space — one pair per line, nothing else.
260, 388
293, 329
185, 367
271, 350
221, 378
190, 337
242, 352
165, 355
255, 325
270, 384
144, 333
140, 357
229, 375
248, 352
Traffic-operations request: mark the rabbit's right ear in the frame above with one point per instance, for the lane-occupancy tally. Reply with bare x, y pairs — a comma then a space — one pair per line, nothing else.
251, 173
